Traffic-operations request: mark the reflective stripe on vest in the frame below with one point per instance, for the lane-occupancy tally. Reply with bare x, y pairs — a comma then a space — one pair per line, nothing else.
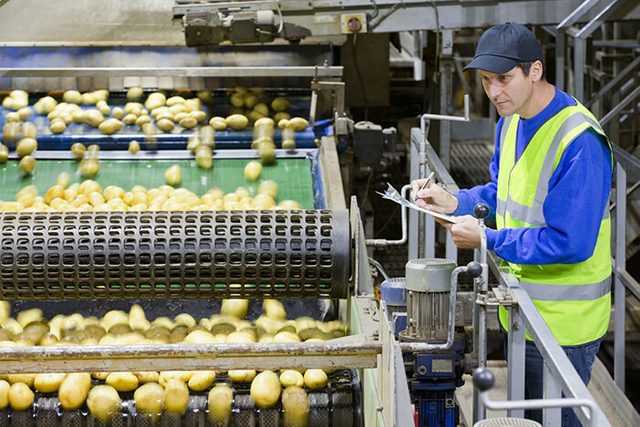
590, 291
574, 299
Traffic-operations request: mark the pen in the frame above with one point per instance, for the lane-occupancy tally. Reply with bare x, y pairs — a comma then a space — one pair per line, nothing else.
424, 185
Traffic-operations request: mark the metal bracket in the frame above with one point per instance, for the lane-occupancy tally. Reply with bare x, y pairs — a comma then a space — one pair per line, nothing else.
502, 297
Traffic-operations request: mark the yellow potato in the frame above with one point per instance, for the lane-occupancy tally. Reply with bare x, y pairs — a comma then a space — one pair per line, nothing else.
263, 201
261, 108
73, 390
72, 96
220, 404
143, 120
134, 93
27, 316
4, 394
93, 117
315, 378
57, 126
274, 309
122, 381
288, 204
130, 119
103, 107
118, 113
298, 124
291, 378
12, 117
176, 396
218, 123
103, 402
204, 157
110, 126
188, 122
185, 319
295, 407
265, 389
147, 377
280, 116
78, 150
235, 307
252, 170
167, 376
149, 399
155, 100
201, 380
134, 147
4, 153
280, 104
241, 375
236, 121
173, 175
27, 164
286, 337
28, 379
20, 397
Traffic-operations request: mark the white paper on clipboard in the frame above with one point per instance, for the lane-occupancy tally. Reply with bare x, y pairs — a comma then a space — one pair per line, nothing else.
393, 195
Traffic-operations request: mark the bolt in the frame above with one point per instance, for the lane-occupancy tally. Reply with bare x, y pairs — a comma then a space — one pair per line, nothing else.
516, 326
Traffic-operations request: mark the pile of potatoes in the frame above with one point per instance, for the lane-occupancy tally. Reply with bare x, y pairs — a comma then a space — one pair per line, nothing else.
90, 196
155, 391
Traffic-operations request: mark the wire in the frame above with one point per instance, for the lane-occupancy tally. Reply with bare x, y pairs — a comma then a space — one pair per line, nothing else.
377, 265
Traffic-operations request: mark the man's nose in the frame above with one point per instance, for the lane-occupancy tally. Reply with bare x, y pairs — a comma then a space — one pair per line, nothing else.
493, 90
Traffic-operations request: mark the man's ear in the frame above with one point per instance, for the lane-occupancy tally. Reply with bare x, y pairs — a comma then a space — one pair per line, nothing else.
536, 70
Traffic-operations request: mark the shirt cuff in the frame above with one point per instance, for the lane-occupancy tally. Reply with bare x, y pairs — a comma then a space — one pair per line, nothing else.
491, 238
463, 204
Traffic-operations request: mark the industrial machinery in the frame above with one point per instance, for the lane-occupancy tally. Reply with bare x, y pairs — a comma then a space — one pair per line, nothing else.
397, 359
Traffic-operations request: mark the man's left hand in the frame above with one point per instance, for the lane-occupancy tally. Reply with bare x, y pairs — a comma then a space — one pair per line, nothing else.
464, 232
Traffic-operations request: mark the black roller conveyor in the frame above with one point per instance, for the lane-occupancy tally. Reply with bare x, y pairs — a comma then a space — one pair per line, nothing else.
182, 254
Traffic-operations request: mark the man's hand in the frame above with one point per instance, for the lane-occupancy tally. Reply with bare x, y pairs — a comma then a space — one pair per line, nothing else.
464, 233
434, 197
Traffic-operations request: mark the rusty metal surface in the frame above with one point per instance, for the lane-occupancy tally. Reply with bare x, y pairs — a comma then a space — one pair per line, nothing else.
160, 357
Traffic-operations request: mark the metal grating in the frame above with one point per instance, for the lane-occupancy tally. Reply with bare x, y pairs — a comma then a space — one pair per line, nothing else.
183, 254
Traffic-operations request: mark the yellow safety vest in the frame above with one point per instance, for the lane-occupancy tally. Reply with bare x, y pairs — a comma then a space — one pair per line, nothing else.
573, 299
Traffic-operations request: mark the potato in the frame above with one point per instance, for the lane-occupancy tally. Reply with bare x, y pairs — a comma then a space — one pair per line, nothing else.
236, 121
48, 383
72, 96
295, 407
173, 175
265, 389
143, 120
20, 397
26, 146
280, 104
265, 122
204, 157
48, 339
130, 119
282, 118
12, 117
218, 123
220, 404
289, 204
110, 126
93, 117
103, 402
298, 124
134, 93
4, 394
235, 307
315, 378
291, 378
134, 147
168, 376
57, 126
4, 153
241, 375
267, 154
188, 122
274, 309
73, 390
286, 337
103, 107
176, 396
122, 381
201, 380
252, 170
155, 100
28, 379
261, 108
27, 164
78, 149
27, 316
147, 377
149, 399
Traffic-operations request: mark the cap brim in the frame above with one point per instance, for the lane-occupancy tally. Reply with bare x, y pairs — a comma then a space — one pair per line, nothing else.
492, 64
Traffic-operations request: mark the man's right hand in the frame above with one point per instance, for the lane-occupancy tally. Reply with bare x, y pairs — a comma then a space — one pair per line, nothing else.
434, 197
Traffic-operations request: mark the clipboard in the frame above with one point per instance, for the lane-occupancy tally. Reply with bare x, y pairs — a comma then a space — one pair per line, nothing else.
393, 195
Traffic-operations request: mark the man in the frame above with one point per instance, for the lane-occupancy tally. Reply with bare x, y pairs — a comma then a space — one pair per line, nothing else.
551, 179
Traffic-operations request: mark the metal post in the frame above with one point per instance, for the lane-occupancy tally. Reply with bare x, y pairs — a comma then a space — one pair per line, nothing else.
561, 40
619, 303
552, 416
579, 53
516, 346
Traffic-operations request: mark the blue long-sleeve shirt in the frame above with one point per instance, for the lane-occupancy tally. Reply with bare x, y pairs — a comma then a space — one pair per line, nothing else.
578, 195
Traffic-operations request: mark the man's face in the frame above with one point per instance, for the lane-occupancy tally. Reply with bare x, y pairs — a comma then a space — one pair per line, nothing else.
510, 92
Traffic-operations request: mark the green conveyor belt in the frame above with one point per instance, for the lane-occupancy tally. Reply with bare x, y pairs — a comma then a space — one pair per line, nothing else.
292, 175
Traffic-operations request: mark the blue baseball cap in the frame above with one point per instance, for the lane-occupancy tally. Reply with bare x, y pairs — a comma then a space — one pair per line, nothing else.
502, 47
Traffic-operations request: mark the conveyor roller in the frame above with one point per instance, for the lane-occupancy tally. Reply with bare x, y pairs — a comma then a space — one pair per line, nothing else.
181, 254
